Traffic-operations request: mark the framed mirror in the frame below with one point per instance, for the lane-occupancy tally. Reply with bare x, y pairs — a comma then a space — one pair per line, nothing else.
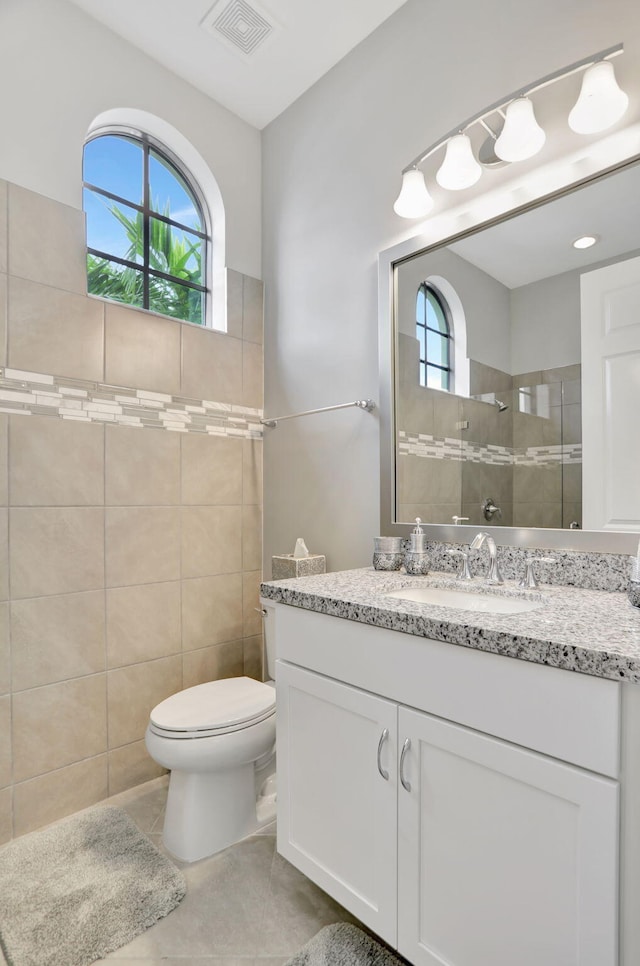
501, 407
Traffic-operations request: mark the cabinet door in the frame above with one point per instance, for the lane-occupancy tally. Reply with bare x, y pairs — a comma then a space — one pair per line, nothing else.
337, 813
505, 857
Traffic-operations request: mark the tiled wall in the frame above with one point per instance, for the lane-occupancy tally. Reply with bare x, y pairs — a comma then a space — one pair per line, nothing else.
130, 515
454, 453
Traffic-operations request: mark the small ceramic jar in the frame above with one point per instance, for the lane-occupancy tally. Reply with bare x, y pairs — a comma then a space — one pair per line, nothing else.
387, 561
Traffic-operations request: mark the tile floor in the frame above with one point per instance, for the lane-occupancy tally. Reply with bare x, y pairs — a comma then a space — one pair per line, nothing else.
245, 906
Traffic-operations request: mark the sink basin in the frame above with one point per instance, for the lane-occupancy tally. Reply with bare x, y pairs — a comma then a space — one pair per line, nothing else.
466, 600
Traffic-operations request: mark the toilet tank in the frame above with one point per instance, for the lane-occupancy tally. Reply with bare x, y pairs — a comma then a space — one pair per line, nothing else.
269, 628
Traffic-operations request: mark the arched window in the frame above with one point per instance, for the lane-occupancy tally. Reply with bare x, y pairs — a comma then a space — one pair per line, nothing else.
433, 331
147, 228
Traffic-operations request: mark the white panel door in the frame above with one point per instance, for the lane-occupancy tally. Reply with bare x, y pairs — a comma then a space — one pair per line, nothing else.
337, 812
505, 856
610, 313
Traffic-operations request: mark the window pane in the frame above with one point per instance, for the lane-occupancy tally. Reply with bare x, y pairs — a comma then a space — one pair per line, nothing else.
114, 163
169, 193
437, 378
176, 300
421, 333
423, 376
110, 280
175, 251
435, 316
437, 349
112, 227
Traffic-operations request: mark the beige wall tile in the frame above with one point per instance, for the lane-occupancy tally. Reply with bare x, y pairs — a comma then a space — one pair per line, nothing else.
252, 375
5, 651
211, 541
57, 638
46, 241
57, 550
131, 765
3, 225
142, 467
234, 303
251, 538
211, 365
211, 470
143, 623
252, 471
54, 331
253, 309
134, 691
251, 615
6, 815
4, 554
4, 287
141, 350
5, 740
142, 545
50, 797
211, 610
55, 462
252, 654
213, 663
58, 724
4, 460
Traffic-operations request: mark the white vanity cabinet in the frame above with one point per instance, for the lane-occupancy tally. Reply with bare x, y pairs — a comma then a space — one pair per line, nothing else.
422, 812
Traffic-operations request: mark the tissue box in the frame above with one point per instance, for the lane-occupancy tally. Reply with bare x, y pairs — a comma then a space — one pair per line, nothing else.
286, 565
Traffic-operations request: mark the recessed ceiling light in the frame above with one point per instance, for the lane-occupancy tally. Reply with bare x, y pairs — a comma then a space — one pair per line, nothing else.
585, 241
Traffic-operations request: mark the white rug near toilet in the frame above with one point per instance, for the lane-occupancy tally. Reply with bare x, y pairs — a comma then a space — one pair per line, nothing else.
343, 944
74, 892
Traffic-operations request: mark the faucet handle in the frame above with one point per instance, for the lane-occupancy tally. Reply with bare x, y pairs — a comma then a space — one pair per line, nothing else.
464, 573
529, 581
456, 519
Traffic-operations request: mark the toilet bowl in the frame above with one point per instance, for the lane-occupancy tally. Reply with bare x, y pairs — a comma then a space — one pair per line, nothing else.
218, 741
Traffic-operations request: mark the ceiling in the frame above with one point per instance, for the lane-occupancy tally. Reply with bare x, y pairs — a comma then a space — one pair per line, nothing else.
258, 57
537, 244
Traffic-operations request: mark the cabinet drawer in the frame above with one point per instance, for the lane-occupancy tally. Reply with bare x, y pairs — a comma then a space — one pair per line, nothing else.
569, 716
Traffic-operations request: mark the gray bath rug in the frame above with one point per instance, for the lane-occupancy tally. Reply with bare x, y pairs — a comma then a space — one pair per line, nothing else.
81, 888
343, 944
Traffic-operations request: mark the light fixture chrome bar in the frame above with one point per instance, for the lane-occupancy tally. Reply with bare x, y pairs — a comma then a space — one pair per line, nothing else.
366, 404
537, 85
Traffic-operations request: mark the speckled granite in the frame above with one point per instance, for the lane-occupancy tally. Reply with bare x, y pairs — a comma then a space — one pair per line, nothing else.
572, 568
589, 631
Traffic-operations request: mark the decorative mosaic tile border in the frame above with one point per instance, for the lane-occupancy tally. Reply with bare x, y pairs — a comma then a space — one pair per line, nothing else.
431, 447
35, 393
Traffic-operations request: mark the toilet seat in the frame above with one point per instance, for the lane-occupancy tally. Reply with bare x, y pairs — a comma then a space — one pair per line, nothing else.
214, 708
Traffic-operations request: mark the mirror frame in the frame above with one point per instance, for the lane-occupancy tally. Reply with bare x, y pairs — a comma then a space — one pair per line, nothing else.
600, 541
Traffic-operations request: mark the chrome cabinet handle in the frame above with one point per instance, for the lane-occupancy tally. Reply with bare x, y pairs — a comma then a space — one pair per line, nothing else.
383, 738
405, 748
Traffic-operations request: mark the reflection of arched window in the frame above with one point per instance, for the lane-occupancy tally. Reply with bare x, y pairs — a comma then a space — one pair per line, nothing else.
433, 331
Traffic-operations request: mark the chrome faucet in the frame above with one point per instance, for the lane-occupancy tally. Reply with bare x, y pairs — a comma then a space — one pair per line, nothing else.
494, 576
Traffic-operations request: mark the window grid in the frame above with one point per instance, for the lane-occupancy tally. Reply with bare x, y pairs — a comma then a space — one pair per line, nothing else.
148, 212
429, 298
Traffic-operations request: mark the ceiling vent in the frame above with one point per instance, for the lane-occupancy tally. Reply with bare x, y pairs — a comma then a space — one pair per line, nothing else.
241, 25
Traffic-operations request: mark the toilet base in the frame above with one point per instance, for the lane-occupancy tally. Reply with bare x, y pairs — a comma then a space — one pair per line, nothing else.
209, 812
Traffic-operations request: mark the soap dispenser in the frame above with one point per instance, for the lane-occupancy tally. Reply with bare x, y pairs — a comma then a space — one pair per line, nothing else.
416, 559
634, 580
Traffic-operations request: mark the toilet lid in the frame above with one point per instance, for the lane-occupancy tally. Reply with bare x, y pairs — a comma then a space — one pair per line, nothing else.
232, 703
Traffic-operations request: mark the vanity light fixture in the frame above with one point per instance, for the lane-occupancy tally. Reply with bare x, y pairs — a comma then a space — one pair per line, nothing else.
600, 105
585, 241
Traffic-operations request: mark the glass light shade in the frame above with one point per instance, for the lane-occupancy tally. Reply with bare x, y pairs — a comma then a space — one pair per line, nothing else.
601, 102
521, 136
459, 168
414, 201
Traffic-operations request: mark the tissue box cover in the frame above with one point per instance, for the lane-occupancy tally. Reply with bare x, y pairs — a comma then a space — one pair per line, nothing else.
286, 565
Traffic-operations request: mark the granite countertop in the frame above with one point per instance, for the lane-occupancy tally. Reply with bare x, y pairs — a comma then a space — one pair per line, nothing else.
590, 631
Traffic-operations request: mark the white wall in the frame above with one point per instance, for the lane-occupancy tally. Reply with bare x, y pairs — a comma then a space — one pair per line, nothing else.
59, 69
331, 170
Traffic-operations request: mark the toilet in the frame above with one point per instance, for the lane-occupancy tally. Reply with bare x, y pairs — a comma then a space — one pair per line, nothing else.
218, 740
